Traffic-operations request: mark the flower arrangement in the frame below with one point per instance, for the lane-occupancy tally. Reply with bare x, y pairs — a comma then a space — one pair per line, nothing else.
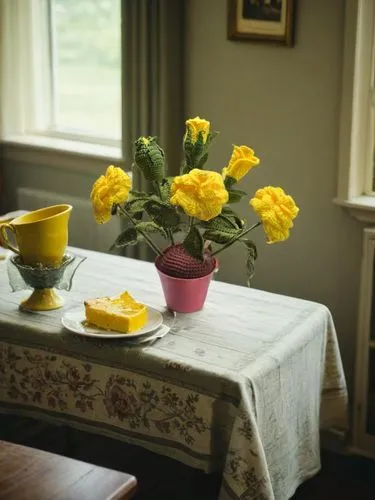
191, 211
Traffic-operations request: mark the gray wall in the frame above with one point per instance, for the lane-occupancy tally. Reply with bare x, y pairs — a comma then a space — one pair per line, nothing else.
283, 102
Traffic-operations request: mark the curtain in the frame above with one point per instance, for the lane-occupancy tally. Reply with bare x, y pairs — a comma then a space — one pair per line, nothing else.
153, 77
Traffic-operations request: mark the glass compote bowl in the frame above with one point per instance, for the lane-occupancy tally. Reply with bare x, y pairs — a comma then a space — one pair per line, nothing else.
43, 281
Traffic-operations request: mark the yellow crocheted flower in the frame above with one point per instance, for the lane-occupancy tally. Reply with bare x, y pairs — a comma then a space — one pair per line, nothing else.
113, 187
242, 160
200, 193
196, 125
276, 211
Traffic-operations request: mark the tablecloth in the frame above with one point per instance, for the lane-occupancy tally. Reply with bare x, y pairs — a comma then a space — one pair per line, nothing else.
243, 386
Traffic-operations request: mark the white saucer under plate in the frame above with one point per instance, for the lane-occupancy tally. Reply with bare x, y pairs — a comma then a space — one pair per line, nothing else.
74, 320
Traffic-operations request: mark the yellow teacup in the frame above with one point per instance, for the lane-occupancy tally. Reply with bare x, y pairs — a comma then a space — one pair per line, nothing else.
41, 235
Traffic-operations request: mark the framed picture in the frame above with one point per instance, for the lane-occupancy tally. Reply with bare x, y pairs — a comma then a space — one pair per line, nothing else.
262, 20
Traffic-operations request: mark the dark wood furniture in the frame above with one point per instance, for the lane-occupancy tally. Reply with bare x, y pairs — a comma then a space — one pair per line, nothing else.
28, 473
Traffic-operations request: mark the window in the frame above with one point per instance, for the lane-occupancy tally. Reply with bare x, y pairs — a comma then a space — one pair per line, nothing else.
356, 182
364, 81
85, 38
62, 61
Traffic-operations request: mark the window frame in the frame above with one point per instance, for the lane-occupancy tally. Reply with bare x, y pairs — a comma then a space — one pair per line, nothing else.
356, 136
27, 91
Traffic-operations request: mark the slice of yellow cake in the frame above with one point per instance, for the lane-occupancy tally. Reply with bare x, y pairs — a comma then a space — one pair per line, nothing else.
121, 314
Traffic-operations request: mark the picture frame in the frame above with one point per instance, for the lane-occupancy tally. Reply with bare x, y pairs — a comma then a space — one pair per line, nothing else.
262, 21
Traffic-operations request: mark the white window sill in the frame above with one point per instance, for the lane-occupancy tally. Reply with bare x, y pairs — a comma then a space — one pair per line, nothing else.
61, 153
361, 208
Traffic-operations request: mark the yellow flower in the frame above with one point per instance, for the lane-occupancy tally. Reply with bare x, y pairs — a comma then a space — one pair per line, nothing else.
113, 187
242, 160
276, 211
201, 193
196, 125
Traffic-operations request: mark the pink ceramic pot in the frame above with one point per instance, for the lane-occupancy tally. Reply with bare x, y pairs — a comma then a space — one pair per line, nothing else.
185, 295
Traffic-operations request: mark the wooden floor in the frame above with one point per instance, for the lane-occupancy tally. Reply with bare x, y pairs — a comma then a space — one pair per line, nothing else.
341, 478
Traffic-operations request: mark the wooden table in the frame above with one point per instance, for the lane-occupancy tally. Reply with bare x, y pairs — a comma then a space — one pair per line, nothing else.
27, 473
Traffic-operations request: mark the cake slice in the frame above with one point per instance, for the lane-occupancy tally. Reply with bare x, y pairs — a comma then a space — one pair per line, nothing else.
120, 314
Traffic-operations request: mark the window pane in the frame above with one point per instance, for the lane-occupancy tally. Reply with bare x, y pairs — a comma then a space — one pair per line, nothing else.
86, 61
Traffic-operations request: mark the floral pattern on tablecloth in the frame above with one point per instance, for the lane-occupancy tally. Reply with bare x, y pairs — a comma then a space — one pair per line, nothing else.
61, 385
50, 381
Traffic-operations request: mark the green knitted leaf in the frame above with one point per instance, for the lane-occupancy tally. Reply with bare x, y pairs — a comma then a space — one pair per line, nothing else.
136, 206
220, 223
138, 216
235, 195
220, 236
193, 243
212, 136
188, 165
196, 153
150, 227
229, 181
252, 255
127, 237
165, 188
231, 214
134, 195
251, 247
149, 158
163, 214
136, 203
199, 146
188, 142
202, 161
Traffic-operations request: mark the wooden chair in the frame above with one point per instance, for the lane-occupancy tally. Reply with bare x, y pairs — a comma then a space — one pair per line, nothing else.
28, 473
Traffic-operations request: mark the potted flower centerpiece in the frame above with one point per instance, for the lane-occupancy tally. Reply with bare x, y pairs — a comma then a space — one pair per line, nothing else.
193, 212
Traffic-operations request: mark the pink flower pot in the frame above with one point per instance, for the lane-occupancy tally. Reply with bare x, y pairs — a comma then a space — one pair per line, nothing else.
185, 295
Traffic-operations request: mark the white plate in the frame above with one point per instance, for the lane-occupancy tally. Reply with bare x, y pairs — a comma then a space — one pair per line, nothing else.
74, 320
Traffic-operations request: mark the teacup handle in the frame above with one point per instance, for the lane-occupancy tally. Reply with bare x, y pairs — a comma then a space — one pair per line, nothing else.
4, 237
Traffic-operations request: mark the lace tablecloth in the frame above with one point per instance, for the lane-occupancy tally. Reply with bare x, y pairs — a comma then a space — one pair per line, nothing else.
243, 386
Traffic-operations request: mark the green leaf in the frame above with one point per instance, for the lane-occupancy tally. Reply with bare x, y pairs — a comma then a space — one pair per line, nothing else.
163, 214
235, 195
133, 195
229, 181
196, 152
212, 136
151, 227
137, 216
193, 243
251, 247
220, 223
228, 212
149, 158
165, 187
202, 161
137, 205
251, 258
220, 237
187, 166
127, 237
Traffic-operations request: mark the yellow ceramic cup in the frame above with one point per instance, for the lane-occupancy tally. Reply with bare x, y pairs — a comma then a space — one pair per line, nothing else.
41, 235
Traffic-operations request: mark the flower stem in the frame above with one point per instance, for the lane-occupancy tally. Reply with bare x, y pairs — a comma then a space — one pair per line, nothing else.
158, 189
236, 238
154, 247
158, 192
